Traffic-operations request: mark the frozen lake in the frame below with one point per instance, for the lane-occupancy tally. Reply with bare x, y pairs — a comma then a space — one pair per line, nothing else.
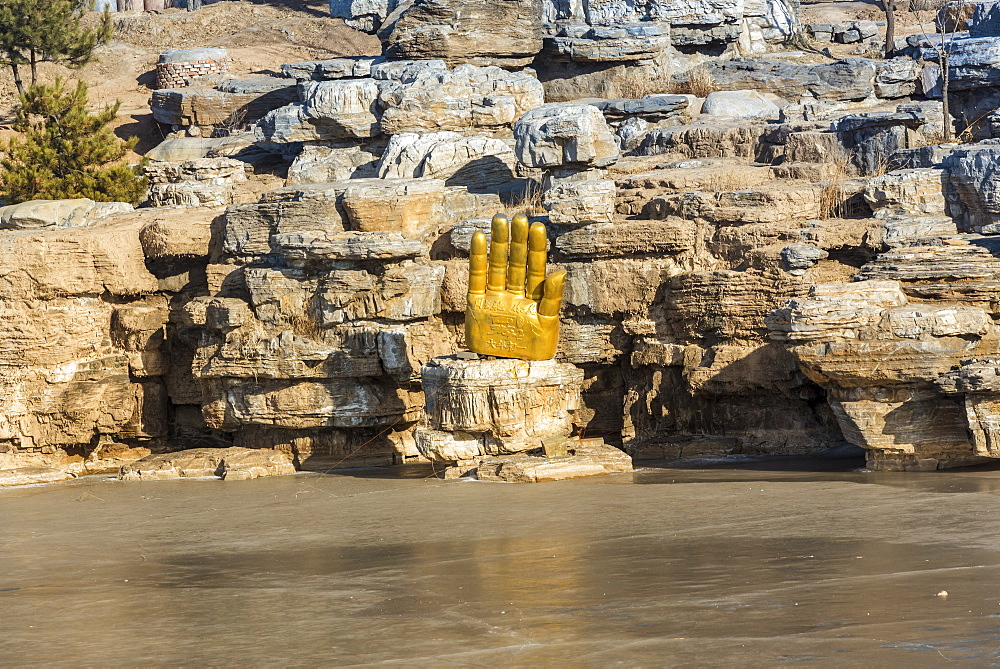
748, 563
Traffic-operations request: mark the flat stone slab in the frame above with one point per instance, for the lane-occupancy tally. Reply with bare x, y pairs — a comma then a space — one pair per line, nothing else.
586, 457
226, 463
32, 476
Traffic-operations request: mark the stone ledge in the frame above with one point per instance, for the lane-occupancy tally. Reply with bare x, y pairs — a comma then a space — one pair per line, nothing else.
585, 457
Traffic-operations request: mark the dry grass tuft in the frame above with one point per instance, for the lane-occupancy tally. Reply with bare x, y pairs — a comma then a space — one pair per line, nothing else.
698, 81
235, 123
733, 178
638, 83
305, 325
529, 202
834, 196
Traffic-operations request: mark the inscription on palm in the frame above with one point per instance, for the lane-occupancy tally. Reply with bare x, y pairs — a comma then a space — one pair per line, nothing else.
512, 307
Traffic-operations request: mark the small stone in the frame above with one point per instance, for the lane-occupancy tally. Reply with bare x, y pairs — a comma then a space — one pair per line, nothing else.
943, 594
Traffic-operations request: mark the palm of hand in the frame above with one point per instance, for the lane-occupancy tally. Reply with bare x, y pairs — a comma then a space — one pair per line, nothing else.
512, 308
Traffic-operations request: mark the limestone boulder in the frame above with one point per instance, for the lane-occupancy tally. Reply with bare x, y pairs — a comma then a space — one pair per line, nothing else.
406, 291
799, 257
347, 108
32, 476
972, 62
225, 463
423, 99
478, 407
363, 15
189, 148
848, 79
406, 71
411, 207
896, 78
288, 125
232, 101
972, 175
320, 247
203, 182
580, 202
627, 238
49, 214
171, 234
613, 287
304, 404
782, 201
720, 139
695, 12
105, 257
357, 67
330, 162
466, 32
739, 104
474, 162
874, 136
556, 135
330, 110
891, 408
586, 457
917, 191
909, 230
620, 43
75, 371
969, 260
248, 228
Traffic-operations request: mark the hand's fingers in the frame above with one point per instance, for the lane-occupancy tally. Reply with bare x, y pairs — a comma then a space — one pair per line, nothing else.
553, 294
536, 262
477, 264
518, 254
497, 275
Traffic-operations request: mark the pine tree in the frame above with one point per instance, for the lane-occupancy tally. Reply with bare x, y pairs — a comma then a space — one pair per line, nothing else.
67, 152
36, 31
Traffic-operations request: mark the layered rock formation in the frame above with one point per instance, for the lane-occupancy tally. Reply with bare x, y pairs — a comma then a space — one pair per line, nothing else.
89, 375
746, 274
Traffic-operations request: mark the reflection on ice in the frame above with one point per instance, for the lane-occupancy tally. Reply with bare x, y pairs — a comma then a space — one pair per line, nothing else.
740, 562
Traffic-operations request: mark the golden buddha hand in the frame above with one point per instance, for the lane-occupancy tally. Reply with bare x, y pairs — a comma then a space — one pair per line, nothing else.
512, 309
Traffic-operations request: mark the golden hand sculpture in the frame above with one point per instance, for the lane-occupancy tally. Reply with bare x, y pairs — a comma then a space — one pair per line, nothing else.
512, 308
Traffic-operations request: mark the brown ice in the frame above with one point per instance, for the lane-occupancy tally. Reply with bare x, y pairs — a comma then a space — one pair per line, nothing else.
749, 564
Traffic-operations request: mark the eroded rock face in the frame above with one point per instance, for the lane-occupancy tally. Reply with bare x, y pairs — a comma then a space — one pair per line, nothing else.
609, 31
476, 162
460, 99
84, 348
972, 174
231, 101
231, 464
557, 135
466, 32
48, 214
892, 407
492, 407
739, 104
202, 182
299, 323
849, 79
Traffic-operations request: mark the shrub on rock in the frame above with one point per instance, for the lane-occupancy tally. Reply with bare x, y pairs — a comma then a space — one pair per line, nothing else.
67, 152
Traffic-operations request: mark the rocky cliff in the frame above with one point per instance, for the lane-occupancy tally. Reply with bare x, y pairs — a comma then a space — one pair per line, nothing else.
771, 271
